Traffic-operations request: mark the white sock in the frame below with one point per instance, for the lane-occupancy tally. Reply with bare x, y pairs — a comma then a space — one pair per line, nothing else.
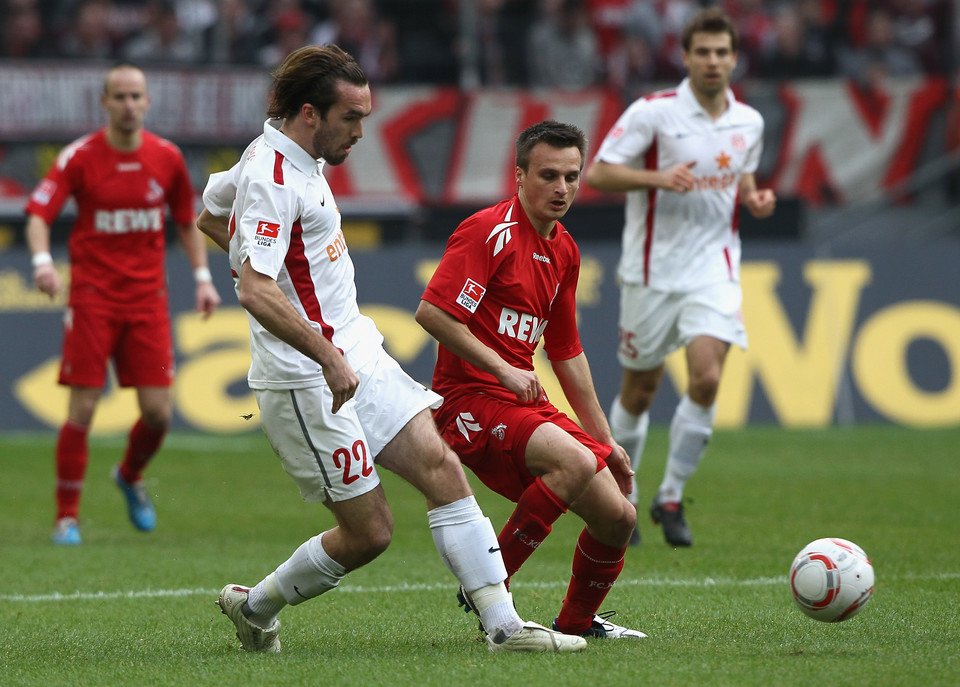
630, 431
308, 573
690, 431
264, 602
469, 548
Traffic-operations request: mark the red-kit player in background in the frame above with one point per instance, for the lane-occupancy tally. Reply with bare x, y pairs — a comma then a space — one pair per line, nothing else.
122, 178
507, 278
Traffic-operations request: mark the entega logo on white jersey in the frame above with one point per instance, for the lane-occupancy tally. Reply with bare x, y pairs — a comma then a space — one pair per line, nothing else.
502, 232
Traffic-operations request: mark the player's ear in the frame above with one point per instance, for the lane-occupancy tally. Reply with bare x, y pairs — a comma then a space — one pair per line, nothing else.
519, 176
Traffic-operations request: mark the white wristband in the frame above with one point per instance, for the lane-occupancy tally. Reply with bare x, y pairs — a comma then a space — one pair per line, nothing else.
43, 258
202, 275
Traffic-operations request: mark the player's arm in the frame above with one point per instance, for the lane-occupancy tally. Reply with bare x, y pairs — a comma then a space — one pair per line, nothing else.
457, 338
217, 228
260, 295
612, 177
760, 202
577, 384
195, 244
45, 276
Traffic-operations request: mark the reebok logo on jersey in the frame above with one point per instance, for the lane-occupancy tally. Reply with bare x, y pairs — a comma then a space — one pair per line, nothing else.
541, 258
267, 233
466, 424
470, 295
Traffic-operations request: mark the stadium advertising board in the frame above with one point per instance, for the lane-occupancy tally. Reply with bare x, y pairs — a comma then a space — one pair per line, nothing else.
866, 337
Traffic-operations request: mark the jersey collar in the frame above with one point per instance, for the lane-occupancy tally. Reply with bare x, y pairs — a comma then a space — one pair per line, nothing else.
297, 156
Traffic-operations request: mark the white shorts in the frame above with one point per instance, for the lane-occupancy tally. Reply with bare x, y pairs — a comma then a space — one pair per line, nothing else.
331, 456
653, 324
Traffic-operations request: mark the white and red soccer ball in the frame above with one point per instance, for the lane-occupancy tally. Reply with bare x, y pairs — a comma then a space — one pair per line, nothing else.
831, 579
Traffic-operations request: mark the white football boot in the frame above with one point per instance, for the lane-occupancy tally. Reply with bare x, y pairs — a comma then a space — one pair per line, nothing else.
538, 639
252, 637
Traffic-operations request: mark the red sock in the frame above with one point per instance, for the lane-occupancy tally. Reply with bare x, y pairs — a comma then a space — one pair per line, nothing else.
72, 457
143, 444
530, 523
596, 567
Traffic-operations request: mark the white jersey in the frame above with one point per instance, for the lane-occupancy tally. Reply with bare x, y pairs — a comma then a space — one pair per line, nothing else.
681, 242
285, 221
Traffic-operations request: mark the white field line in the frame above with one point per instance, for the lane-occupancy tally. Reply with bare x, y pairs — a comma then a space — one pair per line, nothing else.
433, 587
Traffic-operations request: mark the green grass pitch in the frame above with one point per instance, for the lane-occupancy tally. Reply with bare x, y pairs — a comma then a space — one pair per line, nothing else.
127, 608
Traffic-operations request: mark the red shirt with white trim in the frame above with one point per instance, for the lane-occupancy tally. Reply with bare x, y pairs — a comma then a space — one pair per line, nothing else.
682, 242
511, 287
117, 243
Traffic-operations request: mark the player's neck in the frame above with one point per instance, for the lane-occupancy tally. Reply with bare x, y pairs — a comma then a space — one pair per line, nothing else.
714, 104
124, 141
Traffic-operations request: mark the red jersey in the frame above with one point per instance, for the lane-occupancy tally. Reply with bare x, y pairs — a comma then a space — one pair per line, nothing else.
117, 242
511, 287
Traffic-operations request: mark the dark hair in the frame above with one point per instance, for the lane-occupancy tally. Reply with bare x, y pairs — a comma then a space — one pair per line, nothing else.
552, 133
710, 20
310, 75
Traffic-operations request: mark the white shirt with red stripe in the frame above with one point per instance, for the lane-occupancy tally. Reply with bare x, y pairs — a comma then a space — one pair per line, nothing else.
285, 221
682, 242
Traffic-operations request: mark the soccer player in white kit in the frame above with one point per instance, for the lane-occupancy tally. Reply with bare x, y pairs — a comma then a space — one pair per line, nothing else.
685, 159
333, 404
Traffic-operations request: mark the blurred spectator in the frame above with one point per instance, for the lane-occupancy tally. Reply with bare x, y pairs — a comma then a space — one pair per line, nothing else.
291, 30
356, 26
757, 32
923, 27
562, 50
162, 38
23, 32
798, 51
89, 35
426, 33
633, 70
235, 36
880, 56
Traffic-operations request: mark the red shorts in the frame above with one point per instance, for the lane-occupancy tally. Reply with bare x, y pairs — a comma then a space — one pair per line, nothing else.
490, 436
139, 342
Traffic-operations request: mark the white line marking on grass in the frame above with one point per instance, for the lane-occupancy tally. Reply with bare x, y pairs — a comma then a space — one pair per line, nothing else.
436, 587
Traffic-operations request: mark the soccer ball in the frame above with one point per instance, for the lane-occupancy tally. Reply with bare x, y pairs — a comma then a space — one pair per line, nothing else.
831, 579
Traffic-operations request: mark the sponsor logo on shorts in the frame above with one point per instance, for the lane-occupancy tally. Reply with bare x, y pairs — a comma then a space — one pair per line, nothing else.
470, 295
267, 233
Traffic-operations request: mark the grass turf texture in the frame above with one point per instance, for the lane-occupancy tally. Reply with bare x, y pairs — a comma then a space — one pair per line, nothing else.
127, 608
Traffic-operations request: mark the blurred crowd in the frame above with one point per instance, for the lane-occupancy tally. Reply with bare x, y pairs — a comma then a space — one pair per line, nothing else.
628, 44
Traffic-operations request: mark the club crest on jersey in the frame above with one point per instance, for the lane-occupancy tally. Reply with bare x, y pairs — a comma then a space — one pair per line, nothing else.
267, 233
470, 295
154, 191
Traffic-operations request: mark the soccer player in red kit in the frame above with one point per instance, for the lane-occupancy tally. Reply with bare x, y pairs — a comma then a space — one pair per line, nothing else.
122, 178
507, 279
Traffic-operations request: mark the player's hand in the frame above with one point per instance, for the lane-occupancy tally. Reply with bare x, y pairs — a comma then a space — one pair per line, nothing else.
761, 202
207, 298
342, 381
619, 463
523, 383
678, 178
47, 280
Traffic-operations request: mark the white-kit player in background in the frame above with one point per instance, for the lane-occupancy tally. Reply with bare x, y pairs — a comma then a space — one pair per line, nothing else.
333, 404
685, 159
